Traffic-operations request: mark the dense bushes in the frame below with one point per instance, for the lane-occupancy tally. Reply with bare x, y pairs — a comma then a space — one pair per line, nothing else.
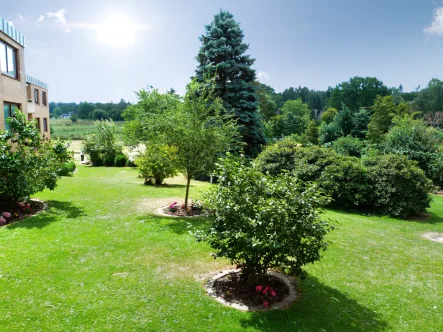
264, 222
386, 184
398, 187
102, 147
28, 162
349, 146
346, 181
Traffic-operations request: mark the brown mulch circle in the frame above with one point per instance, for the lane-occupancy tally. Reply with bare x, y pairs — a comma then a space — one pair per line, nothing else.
234, 289
181, 212
21, 211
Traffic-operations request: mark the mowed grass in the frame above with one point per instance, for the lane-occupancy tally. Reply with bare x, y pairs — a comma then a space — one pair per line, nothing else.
99, 260
67, 130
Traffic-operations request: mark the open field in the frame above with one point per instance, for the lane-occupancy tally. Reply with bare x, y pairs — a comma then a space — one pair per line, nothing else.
99, 260
67, 130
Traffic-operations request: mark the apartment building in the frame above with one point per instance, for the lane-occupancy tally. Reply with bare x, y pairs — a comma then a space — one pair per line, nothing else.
19, 91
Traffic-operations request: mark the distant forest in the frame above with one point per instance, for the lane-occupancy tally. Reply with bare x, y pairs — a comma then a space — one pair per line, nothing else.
86, 110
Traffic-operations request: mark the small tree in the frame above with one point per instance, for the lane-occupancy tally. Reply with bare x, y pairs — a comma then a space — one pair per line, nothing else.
264, 222
28, 162
198, 128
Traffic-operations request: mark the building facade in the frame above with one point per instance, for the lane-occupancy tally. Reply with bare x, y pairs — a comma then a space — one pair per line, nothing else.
18, 91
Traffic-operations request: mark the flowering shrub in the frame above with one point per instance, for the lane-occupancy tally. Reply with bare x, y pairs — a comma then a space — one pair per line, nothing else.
29, 162
173, 207
6, 215
264, 222
2, 221
266, 293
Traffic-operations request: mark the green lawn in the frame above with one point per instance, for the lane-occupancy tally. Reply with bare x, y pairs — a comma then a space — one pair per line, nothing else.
65, 129
97, 260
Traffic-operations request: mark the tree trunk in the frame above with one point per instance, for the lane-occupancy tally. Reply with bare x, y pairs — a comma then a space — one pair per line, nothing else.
188, 182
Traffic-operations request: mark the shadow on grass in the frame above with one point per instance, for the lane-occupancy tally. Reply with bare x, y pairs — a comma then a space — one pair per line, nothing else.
426, 218
56, 210
319, 308
177, 225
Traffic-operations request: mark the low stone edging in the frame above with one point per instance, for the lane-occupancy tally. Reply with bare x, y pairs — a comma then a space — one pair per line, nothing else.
286, 302
161, 211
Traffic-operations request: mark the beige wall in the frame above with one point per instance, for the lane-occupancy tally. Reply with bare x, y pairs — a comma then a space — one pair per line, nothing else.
13, 90
41, 111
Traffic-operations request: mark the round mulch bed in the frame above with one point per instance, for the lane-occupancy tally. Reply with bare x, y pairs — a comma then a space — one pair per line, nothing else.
273, 291
21, 211
433, 236
180, 211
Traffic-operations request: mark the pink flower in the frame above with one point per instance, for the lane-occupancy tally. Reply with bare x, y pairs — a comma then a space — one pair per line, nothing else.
265, 304
6, 215
259, 288
2, 221
273, 293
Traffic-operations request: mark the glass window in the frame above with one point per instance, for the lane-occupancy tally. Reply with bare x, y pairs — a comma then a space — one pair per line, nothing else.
36, 96
10, 55
45, 124
44, 98
8, 111
38, 123
8, 60
3, 57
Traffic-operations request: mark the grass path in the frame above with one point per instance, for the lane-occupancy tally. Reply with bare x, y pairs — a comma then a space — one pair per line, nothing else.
98, 260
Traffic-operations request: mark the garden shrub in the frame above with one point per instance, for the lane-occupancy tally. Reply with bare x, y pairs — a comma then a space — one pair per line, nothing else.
108, 160
120, 160
398, 186
346, 182
67, 169
311, 161
263, 222
278, 157
157, 163
348, 146
28, 162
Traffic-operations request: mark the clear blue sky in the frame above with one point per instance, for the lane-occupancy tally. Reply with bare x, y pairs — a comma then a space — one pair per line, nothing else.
313, 43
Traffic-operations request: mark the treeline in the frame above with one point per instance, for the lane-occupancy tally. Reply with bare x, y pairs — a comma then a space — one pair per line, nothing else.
356, 94
85, 110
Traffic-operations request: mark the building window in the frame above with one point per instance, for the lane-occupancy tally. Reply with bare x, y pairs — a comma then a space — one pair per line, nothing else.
8, 60
44, 101
45, 124
36, 96
9, 111
37, 123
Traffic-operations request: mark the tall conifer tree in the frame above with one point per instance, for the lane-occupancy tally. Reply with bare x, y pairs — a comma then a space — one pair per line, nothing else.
222, 59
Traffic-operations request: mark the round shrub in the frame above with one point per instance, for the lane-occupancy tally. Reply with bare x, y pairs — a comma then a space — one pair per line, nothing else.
346, 182
264, 222
67, 169
398, 186
120, 160
278, 157
98, 162
108, 160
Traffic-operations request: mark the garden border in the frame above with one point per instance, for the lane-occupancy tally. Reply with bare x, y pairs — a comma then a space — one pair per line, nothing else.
286, 302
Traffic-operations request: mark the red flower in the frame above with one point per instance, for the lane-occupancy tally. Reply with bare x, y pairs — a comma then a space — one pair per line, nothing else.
273, 293
265, 304
259, 288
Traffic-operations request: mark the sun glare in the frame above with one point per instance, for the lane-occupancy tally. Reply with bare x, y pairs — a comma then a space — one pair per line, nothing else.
117, 30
